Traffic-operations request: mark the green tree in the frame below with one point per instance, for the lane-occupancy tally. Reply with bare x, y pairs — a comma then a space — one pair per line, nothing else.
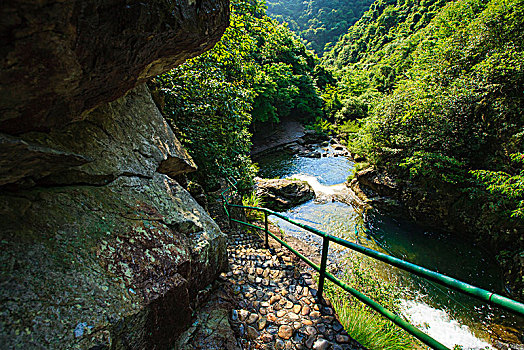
259, 72
318, 22
455, 108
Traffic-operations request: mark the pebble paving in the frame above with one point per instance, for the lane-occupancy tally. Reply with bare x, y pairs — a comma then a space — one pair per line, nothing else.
275, 305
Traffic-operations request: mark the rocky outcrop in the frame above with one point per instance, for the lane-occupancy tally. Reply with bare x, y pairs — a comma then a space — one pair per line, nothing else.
447, 210
379, 182
23, 163
312, 136
377, 189
125, 137
62, 59
283, 194
101, 248
115, 265
112, 251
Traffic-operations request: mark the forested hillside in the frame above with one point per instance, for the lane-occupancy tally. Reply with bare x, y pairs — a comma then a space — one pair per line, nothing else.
258, 73
320, 23
386, 22
432, 92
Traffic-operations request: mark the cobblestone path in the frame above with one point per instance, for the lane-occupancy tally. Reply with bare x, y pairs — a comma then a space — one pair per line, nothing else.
275, 305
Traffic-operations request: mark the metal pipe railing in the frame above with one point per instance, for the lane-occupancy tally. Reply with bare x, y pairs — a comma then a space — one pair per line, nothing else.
323, 265
479, 293
399, 321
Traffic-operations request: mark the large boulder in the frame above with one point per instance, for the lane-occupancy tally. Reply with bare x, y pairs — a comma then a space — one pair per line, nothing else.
117, 265
61, 59
109, 252
283, 194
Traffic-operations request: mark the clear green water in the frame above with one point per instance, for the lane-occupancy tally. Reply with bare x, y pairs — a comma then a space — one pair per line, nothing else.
446, 315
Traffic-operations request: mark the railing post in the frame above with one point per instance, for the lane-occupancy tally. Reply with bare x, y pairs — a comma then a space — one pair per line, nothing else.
228, 212
323, 263
266, 230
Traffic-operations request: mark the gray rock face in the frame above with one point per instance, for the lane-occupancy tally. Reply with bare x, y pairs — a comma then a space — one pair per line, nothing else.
379, 182
99, 246
61, 59
125, 137
117, 263
282, 194
23, 163
211, 331
125, 259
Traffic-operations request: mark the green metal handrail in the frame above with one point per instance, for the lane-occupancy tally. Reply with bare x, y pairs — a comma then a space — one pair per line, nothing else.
479, 293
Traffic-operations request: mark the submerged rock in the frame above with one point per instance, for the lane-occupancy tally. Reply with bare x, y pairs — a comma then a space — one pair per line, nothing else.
282, 194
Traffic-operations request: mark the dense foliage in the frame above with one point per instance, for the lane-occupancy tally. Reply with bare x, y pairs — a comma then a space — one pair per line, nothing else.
442, 86
319, 22
385, 29
258, 73
429, 90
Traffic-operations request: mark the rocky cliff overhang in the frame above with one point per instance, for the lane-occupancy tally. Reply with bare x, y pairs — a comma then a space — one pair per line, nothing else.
100, 247
60, 59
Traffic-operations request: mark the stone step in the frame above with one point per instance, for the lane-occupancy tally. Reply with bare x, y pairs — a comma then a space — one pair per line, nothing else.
275, 305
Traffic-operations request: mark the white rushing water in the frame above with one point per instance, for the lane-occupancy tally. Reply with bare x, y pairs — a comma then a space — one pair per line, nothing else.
435, 322
439, 325
317, 186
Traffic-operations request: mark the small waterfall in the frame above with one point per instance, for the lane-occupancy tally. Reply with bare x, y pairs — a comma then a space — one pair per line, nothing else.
438, 324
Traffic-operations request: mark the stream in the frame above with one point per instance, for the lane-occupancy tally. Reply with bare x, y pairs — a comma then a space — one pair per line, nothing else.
448, 316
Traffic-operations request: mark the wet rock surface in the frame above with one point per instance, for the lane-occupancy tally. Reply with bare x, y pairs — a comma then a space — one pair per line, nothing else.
311, 136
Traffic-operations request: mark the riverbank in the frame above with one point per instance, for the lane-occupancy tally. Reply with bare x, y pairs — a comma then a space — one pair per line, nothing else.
421, 246
444, 211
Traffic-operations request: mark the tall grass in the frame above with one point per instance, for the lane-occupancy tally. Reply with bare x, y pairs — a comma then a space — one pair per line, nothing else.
371, 329
360, 321
252, 200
